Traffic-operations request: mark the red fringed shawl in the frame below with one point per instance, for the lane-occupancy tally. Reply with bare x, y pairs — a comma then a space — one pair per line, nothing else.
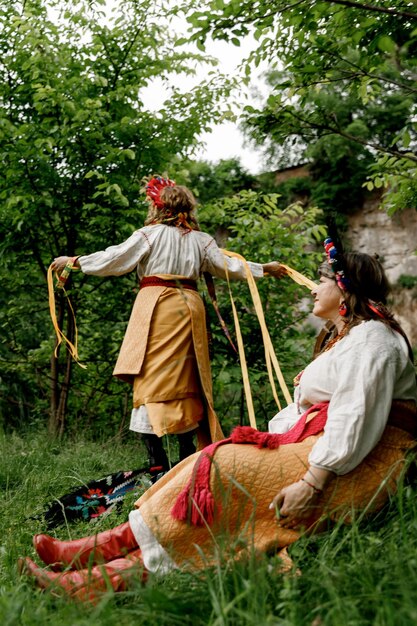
196, 503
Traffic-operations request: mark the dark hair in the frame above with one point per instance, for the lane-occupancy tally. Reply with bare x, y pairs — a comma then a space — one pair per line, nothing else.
367, 281
368, 290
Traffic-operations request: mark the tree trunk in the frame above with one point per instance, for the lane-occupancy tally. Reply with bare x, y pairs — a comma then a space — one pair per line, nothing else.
60, 389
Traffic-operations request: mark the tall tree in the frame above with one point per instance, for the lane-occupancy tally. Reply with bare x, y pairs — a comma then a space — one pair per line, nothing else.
332, 49
76, 141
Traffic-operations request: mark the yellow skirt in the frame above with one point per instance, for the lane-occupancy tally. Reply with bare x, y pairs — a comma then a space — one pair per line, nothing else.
176, 387
169, 383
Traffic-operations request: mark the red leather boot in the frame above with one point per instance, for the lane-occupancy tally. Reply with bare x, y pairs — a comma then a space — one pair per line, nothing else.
100, 548
88, 585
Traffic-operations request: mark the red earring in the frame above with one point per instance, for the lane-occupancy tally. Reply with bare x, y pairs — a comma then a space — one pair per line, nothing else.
343, 309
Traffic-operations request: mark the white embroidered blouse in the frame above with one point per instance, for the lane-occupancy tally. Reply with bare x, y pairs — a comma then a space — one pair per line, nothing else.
359, 377
161, 249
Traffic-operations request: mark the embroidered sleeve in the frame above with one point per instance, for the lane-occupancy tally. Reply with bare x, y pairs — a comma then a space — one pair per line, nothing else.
215, 262
119, 259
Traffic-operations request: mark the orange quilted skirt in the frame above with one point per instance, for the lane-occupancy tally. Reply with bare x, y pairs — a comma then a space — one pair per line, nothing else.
244, 480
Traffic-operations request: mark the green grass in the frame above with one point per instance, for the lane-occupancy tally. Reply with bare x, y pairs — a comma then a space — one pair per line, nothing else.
354, 575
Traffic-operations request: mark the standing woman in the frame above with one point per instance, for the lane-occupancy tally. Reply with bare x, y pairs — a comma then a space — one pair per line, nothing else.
164, 354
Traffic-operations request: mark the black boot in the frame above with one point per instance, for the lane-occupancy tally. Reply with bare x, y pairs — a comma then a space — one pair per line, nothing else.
186, 444
156, 452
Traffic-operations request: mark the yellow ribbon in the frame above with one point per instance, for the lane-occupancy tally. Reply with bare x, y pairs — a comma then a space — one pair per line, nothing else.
270, 356
73, 348
299, 278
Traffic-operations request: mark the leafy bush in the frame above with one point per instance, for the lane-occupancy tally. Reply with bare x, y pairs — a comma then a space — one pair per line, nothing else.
255, 226
406, 281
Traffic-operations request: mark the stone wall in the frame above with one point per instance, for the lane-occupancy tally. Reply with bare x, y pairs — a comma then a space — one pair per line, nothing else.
395, 240
297, 171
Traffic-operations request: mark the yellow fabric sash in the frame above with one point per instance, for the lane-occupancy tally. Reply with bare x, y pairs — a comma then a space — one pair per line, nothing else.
72, 347
270, 356
299, 278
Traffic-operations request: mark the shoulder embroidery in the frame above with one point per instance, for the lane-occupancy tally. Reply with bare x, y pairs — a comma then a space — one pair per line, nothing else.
207, 246
147, 239
209, 243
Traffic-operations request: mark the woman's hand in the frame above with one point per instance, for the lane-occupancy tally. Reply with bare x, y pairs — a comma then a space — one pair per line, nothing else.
274, 269
295, 504
59, 263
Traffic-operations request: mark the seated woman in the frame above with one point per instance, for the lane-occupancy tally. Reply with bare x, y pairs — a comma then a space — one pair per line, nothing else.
339, 448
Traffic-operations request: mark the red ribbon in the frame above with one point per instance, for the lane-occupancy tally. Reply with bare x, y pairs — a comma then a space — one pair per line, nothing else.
196, 503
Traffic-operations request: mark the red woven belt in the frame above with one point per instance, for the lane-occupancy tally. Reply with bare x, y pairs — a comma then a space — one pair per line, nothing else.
179, 283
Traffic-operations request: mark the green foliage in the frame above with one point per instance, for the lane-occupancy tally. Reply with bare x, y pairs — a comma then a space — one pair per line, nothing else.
78, 192
406, 281
76, 141
336, 71
254, 225
212, 181
338, 169
297, 189
389, 174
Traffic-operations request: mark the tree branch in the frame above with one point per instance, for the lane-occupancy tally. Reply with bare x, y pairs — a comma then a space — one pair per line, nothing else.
372, 7
252, 18
352, 75
360, 72
362, 142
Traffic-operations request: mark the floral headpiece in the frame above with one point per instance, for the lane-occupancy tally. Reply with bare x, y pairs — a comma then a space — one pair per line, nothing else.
154, 187
335, 263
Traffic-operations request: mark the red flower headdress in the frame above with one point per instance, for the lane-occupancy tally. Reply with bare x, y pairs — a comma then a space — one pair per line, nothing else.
154, 187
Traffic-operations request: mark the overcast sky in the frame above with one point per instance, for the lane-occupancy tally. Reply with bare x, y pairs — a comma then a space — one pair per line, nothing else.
225, 141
